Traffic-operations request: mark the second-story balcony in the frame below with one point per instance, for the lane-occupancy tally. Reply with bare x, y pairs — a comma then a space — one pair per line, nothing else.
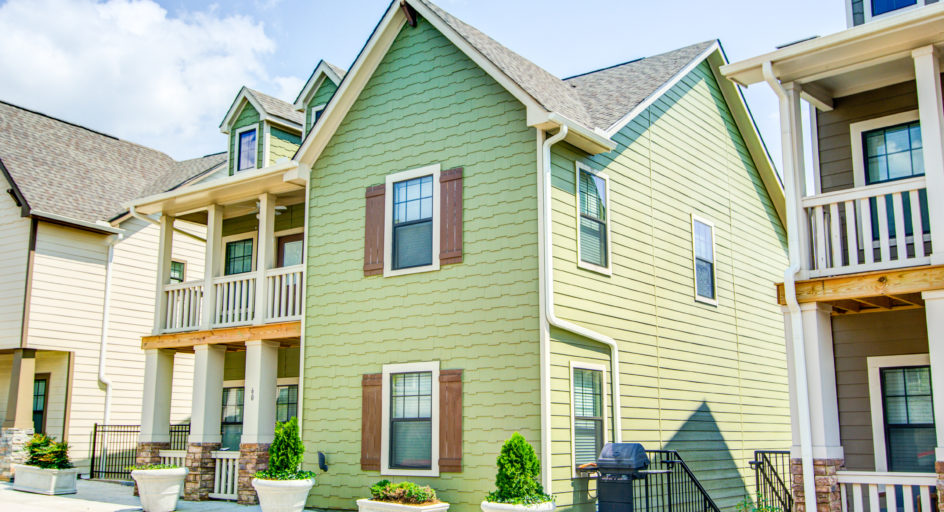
867, 228
246, 265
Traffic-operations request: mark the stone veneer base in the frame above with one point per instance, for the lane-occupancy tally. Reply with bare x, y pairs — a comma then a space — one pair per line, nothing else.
253, 457
148, 453
828, 498
12, 443
201, 469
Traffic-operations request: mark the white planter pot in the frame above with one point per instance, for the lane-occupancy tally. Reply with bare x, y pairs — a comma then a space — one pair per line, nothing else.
547, 506
44, 481
282, 495
366, 505
159, 488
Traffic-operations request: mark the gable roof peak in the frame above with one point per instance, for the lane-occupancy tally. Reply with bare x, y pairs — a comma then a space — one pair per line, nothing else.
323, 70
269, 107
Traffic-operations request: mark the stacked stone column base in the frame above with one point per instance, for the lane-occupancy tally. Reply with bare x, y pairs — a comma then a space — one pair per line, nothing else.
148, 453
12, 449
939, 469
253, 457
828, 497
201, 469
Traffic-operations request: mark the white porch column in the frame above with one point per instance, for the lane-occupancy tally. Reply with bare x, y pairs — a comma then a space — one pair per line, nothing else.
821, 377
207, 394
934, 312
262, 359
211, 263
931, 114
265, 258
794, 168
155, 404
164, 251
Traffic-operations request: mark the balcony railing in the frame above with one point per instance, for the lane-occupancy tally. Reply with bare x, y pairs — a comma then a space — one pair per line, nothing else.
234, 301
869, 228
910, 492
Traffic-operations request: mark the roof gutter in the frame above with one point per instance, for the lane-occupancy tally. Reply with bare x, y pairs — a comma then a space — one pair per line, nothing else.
547, 266
579, 130
102, 227
135, 214
789, 283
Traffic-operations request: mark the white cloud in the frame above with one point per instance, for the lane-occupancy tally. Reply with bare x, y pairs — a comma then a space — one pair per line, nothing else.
127, 68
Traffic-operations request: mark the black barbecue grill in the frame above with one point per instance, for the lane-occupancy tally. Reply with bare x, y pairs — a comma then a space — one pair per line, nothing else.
618, 465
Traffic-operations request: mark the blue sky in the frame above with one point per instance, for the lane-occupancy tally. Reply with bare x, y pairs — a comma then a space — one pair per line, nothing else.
163, 74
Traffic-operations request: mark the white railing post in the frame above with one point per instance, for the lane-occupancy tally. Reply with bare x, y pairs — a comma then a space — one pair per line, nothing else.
266, 257
211, 263
931, 114
164, 250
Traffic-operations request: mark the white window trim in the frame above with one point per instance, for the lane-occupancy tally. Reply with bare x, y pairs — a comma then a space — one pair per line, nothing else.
184, 262
237, 149
254, 235
867, 10
875, 364
573, 434
429, 170
388, 370
608, 269
857, 129
714, 263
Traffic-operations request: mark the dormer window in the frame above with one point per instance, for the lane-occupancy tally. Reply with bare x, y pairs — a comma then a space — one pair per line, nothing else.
246, 141
876, 8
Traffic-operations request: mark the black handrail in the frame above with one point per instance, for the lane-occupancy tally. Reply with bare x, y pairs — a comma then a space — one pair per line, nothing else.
773, 479
671, 486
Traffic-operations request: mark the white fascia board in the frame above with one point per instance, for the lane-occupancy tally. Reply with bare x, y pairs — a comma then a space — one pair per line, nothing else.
370, 58
101, 226
237, 106
616, 127
322, 71
921, 24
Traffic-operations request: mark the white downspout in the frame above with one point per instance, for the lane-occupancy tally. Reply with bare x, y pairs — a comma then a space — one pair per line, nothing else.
789, 287
145, 218
103, 345
552, 320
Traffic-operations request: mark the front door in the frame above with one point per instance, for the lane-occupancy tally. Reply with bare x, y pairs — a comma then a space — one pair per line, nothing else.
909, 418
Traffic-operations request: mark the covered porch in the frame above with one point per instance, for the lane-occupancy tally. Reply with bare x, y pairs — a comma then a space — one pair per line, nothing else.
244, 380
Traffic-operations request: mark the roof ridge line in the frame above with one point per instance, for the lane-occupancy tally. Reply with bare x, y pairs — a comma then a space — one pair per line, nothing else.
70, 123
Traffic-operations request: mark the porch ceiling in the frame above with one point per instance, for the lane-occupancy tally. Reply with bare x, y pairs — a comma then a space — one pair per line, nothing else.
870, 292
287, 334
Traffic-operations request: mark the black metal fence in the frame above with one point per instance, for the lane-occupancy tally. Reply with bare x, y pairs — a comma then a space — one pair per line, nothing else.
773, 478
114, 448
670, 486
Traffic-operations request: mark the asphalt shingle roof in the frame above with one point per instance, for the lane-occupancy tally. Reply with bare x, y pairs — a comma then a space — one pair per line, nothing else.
277, 107
611, 93
66, 169
597, 99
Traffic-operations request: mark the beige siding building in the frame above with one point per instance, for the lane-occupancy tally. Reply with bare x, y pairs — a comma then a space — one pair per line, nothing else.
78, 285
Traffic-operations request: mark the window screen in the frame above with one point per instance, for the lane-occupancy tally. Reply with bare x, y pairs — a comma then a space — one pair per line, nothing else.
232, 421
286, 405
176, 271
884, 6
247, 150
413, 223
909, 419
411, 426
704, 259
593, 219
238, 257
588, 415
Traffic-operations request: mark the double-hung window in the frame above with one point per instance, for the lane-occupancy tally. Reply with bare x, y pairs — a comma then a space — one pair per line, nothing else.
177, 273
246, 149
412, 225
231, 425
703, 245
588, 433
40, 399
410, 433
238, 257
593, 223
901, 403
286, 404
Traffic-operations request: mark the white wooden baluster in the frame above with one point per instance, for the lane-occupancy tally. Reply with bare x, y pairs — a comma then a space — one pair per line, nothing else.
852, 240
843, 497
819, 237
917, 227
873, 498
907, 498
857, 497
925, 499
891, 501
865, 219
883, 234
897, 208
834, 235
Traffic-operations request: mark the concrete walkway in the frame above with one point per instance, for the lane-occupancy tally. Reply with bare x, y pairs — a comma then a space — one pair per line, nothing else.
95, 496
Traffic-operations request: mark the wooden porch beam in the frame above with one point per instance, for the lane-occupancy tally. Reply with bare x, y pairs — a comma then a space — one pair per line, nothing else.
894, 282
287, 333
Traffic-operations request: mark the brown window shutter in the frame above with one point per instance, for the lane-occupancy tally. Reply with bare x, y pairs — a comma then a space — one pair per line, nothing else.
450, 211
371, 422
374, 230
450, 421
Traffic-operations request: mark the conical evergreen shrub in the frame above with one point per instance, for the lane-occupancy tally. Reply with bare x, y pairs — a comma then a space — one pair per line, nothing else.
519, 474
285, 454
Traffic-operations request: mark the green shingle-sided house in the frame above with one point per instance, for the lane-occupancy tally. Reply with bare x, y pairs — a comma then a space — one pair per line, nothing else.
495, 249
